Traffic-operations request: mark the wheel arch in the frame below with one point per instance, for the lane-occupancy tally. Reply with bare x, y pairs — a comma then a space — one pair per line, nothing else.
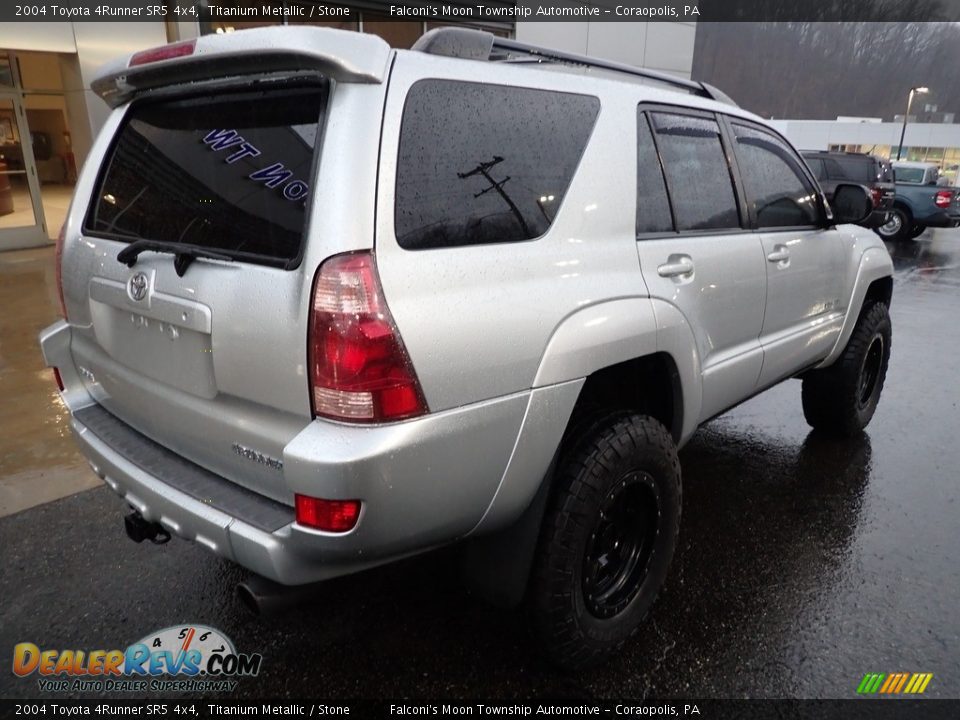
603, 360
873, 283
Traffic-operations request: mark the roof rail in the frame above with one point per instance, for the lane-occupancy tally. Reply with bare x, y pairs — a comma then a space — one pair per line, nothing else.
473, 44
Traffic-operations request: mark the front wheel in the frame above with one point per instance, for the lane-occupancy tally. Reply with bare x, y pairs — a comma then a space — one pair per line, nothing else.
607, 540
841, 399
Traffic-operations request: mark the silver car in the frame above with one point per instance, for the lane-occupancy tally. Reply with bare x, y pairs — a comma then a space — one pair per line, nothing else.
328, 304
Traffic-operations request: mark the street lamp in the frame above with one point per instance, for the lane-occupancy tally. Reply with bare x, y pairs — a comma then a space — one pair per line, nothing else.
903, 132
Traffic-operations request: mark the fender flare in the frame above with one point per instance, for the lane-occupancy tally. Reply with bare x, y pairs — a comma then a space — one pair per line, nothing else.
616, 331
875, 263
500, 548
588, 340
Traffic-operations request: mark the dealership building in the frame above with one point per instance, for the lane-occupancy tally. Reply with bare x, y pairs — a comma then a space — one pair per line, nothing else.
49, 116
937, 143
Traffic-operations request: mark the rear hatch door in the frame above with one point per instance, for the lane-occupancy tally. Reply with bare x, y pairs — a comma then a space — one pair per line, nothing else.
196, 335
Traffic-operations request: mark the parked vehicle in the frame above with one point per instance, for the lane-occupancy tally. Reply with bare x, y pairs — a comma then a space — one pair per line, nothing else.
329, 304
874, 173
921, 202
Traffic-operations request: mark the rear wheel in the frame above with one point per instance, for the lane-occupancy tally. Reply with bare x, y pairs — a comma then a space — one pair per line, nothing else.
897, 226
607, 540
841, 399
917, 230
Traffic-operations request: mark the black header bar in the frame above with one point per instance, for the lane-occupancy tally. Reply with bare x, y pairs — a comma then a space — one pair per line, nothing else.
211, 707
310, 11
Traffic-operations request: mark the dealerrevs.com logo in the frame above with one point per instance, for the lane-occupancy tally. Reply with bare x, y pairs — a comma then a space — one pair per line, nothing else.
185, 658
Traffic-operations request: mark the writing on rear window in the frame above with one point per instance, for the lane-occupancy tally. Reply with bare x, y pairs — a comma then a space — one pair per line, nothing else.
272, 176
231, 172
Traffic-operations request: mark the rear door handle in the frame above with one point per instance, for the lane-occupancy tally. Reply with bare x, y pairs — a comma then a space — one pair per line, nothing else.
779, 254
676, 265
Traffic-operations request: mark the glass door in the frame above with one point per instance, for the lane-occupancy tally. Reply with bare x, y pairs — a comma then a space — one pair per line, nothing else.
21, 213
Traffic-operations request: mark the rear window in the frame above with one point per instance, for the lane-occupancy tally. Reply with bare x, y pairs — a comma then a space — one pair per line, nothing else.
482, 163
229, 172
913, 174
859, 170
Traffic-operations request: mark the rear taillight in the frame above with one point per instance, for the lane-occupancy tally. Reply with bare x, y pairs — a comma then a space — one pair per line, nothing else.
328, 515
359, 369
877, 194
58, 269
56, 376
943, 198
164, 52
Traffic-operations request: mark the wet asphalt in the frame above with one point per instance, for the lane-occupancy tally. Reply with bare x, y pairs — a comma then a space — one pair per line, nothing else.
803, 564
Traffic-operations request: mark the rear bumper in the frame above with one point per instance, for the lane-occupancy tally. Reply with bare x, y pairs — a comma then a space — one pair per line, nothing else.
193, 517
423, 483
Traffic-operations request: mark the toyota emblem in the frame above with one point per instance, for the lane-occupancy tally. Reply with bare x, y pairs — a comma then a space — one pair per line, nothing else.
138, 286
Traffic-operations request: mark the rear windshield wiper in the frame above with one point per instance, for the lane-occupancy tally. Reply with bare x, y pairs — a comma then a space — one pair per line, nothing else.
183, 253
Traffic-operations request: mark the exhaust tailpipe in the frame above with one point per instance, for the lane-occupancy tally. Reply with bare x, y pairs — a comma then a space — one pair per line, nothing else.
139, 529
265, 597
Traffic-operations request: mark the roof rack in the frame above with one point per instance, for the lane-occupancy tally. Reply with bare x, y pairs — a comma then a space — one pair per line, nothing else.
471, 44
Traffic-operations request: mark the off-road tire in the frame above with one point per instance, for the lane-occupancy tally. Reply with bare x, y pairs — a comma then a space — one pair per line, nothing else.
840, 400
626, 467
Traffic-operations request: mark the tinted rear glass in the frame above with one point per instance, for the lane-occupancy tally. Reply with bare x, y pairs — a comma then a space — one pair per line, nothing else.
229, 172
909, 174
700, 185
653, 206
482, 163
858, 170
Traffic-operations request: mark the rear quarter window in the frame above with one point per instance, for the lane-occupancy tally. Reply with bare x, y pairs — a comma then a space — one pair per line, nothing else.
481, 163
230, 172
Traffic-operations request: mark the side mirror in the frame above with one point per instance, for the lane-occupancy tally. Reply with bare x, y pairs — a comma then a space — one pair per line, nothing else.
851, 204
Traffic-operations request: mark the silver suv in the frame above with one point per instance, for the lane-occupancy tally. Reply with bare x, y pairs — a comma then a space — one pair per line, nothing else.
329, 304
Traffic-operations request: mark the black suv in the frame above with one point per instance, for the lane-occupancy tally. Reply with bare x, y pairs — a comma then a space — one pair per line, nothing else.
876, 174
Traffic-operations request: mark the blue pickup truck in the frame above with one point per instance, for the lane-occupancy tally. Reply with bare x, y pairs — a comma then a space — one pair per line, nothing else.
920, 202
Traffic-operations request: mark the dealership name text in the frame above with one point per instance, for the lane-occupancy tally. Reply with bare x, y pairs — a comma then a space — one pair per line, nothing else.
525, 11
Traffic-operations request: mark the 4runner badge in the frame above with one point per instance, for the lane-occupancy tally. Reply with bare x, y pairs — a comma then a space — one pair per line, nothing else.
137, 286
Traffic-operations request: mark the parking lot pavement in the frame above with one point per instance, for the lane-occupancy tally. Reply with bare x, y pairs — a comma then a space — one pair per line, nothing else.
802, 564
38, 460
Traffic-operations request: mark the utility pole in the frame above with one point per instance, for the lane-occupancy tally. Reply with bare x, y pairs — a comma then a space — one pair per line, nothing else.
484, 169
903, 132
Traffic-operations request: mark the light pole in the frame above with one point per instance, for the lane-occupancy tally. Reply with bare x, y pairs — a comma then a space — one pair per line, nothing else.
903, 132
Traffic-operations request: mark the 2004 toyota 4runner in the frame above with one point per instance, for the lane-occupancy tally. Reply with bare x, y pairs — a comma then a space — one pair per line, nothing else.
329, 304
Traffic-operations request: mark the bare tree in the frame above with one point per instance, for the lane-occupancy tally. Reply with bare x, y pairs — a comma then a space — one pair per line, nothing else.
824, 69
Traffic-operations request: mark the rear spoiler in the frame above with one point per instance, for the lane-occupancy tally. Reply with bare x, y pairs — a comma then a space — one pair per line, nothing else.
338, 54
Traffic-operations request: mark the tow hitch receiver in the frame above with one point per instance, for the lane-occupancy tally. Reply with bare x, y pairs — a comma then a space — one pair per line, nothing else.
139, 529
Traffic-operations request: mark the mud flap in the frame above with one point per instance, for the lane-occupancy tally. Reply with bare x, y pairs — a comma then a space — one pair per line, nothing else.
496, 567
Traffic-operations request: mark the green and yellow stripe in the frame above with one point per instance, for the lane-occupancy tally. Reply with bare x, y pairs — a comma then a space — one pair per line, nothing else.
894, 683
